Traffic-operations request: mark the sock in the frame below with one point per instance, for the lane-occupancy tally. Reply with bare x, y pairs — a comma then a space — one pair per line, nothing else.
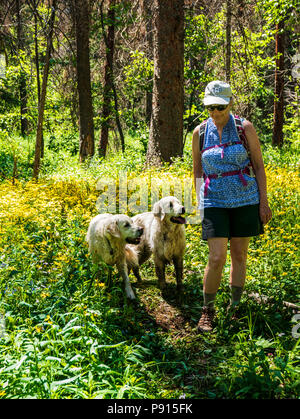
209, 299
236, 293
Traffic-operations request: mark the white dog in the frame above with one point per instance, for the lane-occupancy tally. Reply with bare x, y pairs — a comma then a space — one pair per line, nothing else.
107, 236
164, 237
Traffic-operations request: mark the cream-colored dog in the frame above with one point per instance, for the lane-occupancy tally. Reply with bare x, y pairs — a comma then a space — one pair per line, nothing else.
163, 236
107, 236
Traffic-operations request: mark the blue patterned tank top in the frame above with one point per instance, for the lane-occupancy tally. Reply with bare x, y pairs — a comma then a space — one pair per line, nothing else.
228, 191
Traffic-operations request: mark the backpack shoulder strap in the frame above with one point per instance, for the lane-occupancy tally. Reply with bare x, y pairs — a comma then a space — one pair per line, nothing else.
202, 130
242, 136
241, 131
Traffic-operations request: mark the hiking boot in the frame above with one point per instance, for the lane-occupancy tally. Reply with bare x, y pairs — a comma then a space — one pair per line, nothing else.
233, 311
206, 320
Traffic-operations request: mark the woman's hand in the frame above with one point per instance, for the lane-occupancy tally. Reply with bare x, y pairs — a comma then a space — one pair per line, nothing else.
265, 212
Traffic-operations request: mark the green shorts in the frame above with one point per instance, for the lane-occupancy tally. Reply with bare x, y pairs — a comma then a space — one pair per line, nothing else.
232, 222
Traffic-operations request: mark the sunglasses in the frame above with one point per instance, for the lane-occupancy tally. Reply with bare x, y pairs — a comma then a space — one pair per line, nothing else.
216, 107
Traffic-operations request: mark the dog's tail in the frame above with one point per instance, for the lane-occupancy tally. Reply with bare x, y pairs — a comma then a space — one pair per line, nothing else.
132, 258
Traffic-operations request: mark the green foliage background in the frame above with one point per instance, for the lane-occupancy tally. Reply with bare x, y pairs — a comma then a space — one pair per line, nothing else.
61, 339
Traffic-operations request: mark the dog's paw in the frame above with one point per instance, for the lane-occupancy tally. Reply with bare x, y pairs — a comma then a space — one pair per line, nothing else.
130, 294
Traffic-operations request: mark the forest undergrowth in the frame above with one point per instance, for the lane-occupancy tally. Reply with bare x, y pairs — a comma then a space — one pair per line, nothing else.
62, 338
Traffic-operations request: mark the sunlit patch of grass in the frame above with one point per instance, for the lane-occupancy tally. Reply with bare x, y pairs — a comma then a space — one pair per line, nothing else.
61, 340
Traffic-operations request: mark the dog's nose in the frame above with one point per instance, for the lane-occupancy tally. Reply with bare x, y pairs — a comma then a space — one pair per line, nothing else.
183, 210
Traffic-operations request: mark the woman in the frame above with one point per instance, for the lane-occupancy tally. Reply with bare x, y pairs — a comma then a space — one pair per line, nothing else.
235, 202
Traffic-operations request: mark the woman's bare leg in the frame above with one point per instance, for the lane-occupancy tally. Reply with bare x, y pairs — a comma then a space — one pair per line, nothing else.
216, 261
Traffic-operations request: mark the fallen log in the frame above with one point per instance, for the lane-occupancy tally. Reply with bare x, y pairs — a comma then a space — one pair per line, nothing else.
264, 299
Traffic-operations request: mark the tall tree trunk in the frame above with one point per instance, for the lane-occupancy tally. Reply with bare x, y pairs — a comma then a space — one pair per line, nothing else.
166, 128
146, 11
86, 123
22, 81
114, 91
108, 79
278, 119
39, 133
37, 66
228, 41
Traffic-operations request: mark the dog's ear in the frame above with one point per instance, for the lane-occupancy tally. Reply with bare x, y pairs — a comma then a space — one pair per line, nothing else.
158, 211
113, 229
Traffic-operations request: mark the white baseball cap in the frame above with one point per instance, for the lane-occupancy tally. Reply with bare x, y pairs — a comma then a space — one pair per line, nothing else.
217, 93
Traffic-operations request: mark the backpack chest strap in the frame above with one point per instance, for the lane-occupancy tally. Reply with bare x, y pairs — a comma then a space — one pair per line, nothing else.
239, 128
223, 146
